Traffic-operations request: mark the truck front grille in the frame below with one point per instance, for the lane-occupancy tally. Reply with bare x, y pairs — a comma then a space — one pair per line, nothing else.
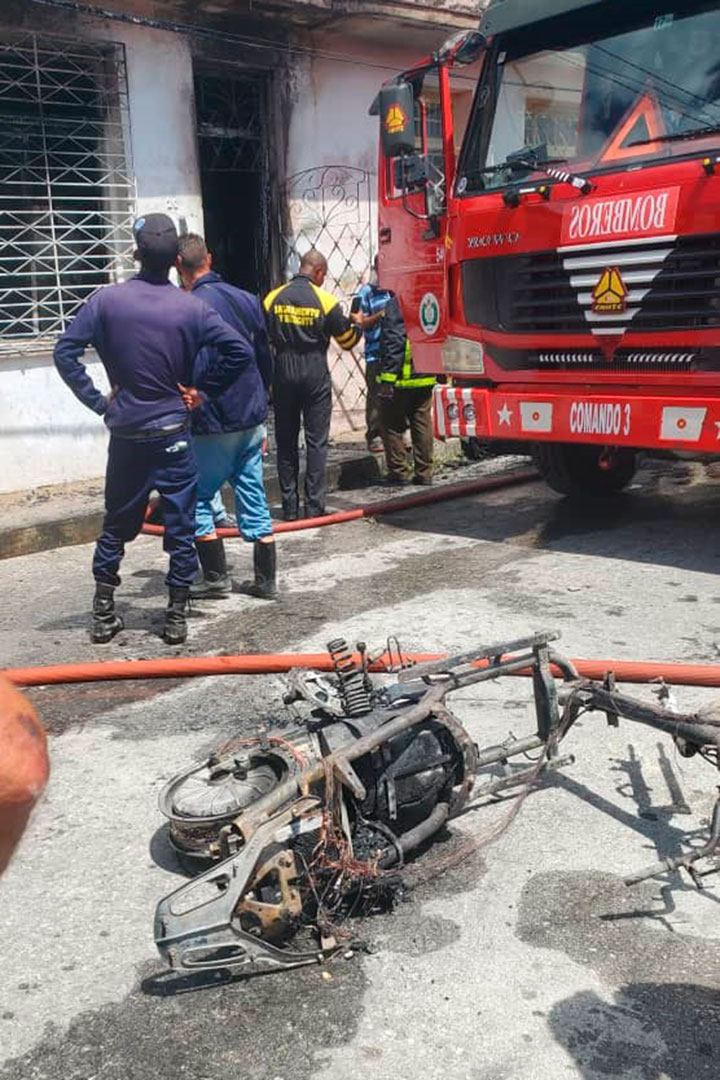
671, 283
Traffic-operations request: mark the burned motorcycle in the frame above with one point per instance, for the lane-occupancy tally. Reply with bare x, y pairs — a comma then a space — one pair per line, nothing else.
314, 820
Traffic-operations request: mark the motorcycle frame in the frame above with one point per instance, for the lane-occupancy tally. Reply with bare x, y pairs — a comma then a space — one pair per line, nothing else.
186, 931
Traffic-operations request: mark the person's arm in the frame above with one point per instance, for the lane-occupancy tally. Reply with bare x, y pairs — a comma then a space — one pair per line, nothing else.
263, 355
340, 327
393, 342
364, 317
367, 322
232, 352
24, 767
81, 332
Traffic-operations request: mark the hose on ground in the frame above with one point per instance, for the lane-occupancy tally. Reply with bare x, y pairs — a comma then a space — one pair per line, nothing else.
388, 506
707, 675
187, 667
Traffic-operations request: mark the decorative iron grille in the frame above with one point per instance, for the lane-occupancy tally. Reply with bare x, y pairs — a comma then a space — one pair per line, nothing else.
330, 208
232, 122
66, 192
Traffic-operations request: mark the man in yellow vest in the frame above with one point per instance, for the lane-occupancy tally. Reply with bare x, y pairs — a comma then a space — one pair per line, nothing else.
405, 401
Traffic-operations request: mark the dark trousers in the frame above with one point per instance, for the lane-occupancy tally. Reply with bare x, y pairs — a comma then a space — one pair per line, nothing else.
134, 469
408, 408
302, 392
373, 423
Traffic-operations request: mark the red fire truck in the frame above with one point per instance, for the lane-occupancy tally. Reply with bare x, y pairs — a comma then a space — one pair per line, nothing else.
562, 265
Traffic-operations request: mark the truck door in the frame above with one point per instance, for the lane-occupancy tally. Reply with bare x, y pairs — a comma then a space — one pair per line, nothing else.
412, 210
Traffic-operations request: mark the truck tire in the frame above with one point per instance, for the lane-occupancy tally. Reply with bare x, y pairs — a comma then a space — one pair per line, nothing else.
576, 470
475, 449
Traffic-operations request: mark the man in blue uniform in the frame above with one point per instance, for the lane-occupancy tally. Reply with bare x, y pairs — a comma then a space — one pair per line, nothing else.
229, 433
147, 334
371, 300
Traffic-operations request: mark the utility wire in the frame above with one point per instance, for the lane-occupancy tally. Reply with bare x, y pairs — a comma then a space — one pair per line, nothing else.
260, 43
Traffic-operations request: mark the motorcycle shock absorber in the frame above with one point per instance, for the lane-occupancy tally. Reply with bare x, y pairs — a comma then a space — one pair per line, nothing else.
352, 686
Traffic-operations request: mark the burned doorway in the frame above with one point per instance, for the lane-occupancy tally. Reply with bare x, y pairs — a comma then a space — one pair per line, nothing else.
232, 119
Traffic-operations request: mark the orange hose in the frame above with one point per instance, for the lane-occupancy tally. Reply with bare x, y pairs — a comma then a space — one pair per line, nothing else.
388, 506
201, 666
626, 671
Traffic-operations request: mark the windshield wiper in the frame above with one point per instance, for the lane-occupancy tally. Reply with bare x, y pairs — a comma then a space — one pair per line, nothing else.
678, 136
527, 158
524, 160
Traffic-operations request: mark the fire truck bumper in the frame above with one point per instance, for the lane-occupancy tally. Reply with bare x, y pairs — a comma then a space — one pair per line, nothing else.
631, 418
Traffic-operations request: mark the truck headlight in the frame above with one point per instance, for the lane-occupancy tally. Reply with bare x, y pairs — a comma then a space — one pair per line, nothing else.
461, 355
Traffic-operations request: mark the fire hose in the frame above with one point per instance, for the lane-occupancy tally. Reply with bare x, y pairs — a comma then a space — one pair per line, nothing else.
703, 675
388, 506
187, 667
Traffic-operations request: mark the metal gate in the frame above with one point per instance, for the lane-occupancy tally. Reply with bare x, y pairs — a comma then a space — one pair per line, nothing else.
330, 208
66, 191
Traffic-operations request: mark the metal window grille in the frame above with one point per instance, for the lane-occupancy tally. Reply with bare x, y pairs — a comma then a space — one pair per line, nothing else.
232, 124
66, 192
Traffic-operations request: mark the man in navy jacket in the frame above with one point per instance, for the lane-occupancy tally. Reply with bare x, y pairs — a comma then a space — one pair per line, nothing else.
147, 334
229, 433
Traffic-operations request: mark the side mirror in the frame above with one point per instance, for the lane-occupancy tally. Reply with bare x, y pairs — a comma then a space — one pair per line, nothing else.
396, 106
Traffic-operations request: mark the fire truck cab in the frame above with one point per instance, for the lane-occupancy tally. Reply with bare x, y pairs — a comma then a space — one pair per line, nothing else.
554, 237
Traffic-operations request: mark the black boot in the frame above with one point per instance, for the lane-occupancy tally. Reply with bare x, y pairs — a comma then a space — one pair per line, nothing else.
106, 624
175, 631
264, 587
214, 581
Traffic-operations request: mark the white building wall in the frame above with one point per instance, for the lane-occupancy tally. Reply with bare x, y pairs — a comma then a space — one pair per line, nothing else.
162, 123
46, 435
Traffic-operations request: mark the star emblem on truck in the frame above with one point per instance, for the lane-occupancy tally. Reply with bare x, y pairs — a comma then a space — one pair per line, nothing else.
504, 414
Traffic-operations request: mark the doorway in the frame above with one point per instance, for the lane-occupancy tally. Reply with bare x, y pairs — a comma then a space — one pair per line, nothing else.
233, 150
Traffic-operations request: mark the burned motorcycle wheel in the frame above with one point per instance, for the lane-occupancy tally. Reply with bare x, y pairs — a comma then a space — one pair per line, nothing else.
201, 801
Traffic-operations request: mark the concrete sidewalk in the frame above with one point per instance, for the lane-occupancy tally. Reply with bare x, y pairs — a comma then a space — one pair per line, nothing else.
64, 514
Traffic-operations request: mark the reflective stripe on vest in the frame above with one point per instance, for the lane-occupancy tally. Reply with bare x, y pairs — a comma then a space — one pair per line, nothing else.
409, 380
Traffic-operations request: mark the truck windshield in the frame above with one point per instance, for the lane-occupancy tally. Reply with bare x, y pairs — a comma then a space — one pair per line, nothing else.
607, 103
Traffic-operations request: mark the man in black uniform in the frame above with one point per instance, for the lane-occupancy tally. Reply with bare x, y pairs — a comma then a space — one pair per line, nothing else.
405, 401
147, 334
302, 318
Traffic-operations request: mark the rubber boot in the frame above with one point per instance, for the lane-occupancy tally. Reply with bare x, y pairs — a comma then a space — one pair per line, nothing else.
106, 624
214, 580
175, 631
264, 587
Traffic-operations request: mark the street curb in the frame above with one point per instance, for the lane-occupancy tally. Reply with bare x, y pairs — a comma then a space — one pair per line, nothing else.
85, 527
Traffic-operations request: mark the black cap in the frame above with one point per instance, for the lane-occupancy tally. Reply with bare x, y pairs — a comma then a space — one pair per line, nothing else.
157, 239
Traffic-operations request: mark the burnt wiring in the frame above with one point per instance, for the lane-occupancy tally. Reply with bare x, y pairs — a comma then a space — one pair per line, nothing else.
356, 792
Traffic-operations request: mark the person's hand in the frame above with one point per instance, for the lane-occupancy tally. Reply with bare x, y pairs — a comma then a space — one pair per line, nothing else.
357, 318
191, 396
113, 394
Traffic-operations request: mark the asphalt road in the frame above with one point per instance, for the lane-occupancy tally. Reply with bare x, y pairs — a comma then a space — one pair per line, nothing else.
529, 959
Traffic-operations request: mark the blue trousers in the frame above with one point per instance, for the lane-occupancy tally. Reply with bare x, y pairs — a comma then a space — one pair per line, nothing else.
134, 469
236, 457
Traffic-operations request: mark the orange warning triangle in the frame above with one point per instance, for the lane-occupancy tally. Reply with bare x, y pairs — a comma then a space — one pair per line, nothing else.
639, 127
